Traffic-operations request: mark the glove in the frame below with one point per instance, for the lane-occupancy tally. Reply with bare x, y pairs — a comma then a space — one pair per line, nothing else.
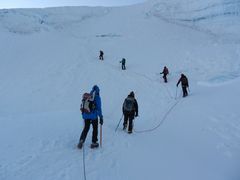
101, 120
136, 115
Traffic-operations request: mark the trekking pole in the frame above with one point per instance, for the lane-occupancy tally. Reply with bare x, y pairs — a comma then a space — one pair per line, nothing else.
118, 123
100, 135
189, 90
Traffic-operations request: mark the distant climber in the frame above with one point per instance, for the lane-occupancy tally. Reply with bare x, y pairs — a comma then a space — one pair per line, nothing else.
101, 55
91, 110
123, 61
130, 110
184, 82
165, 72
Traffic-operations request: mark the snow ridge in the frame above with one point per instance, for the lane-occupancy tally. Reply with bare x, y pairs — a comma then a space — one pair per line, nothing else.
220, 17
28, 21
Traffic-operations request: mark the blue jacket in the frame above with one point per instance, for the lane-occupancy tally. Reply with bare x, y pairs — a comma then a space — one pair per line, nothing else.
97, 112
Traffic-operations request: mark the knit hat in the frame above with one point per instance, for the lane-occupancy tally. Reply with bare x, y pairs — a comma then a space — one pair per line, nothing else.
131, 94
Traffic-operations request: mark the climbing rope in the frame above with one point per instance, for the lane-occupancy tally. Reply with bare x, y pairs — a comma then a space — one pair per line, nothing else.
84, 165
152, 80
160, 123
168, 91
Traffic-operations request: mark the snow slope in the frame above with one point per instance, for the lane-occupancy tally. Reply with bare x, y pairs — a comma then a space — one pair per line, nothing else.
49, 59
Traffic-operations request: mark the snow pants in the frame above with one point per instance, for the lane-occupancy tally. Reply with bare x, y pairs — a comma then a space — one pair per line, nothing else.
184, 89
94, 123
165, 78
123, 66
128, 119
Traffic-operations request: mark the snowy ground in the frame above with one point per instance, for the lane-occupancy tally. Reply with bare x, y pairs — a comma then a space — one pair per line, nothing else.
49, 59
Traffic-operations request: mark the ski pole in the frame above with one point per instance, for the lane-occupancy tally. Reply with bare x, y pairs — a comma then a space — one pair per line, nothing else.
119, 123
100, 135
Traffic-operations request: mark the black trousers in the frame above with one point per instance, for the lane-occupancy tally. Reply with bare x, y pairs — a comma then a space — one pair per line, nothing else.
184, 89
128, 119
94, 123
101, 57
123, 67
165, 78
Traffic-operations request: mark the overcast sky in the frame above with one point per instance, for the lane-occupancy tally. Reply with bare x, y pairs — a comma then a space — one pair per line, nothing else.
51, 3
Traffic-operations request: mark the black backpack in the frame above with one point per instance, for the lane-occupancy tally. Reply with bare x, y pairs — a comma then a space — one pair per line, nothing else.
128, 104
166, 71
184, 81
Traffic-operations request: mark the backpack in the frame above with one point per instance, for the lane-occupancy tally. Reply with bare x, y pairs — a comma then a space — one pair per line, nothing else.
88, 104
167, 72
128, 104
184, 81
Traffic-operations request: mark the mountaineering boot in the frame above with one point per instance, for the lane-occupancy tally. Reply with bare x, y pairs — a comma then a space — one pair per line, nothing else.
80, 144
94, 145
129, 132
